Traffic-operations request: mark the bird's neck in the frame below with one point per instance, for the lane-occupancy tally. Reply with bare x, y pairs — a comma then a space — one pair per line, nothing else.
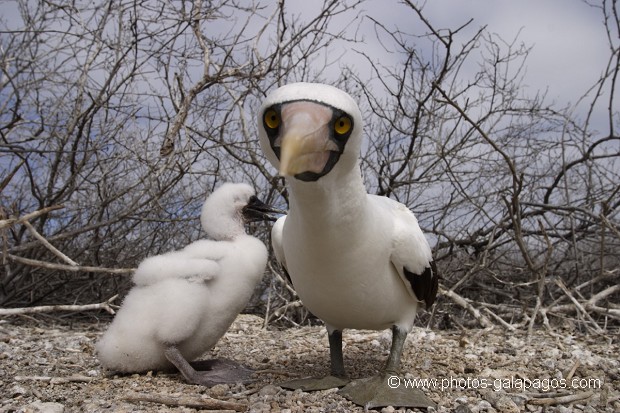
331, 200
224, 229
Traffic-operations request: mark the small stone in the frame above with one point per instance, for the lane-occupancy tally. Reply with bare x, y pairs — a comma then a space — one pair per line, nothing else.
519, 399
461, 400
389, 409
260, 407
269, 390
426, 365
482, 406
219, 390
19, 390
505, 404
41, 407
462, 408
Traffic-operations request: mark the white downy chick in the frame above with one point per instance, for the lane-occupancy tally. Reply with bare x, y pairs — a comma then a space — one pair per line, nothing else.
184, 301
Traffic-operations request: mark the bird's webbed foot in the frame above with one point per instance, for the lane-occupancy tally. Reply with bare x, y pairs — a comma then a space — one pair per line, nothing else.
384, 390
209, 372
315, 383
337, 378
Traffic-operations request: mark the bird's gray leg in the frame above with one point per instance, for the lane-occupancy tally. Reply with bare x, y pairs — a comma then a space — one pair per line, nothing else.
220, 371
398, 341
175, 357
337, 377
335, 353
383, 390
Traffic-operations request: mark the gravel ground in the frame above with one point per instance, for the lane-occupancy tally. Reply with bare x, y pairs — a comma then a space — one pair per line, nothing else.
53, 368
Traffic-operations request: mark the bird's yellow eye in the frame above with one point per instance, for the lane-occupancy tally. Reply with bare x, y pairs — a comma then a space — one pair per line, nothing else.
342, 125
272, 119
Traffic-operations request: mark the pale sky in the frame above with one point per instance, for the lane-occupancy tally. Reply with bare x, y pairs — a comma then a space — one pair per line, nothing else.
568, 38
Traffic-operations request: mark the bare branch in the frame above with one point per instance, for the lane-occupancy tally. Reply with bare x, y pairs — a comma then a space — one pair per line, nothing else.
106, 305
463, 302
73, 268
549, 401
49, 246
203, 402
11, 221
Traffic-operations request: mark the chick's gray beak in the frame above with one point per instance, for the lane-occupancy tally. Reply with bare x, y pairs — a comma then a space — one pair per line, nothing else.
257, 210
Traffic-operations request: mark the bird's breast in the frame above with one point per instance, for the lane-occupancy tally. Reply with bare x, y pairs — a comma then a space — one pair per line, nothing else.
345, 276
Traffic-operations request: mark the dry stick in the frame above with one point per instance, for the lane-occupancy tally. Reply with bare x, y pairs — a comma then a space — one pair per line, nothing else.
281, 279
542, 272
607, 275
49, 246
572, 371
610, 312
500, 320
565, 308
275, 272
590, 305
457, 299
106, 305
602, 294
547, 401
280, 311
543, 314
27, 217
76, 378
53, 266
193, 402
610, 225
185, 105
579, 307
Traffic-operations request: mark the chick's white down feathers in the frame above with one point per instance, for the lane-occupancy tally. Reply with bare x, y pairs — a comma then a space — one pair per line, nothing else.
188, 298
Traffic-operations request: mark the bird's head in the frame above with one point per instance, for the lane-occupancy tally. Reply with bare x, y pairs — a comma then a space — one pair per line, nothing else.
229, 207
307, 130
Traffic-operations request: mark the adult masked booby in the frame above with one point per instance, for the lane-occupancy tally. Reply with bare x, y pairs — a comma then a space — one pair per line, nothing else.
183, 301
356, 260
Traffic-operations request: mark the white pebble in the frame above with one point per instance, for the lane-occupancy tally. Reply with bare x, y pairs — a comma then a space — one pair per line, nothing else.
40, 407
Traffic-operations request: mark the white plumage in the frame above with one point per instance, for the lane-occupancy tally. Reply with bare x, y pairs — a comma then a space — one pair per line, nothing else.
187, 299
347, 267
356, 260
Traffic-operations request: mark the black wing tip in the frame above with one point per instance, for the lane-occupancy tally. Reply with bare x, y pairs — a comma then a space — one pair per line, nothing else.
287, 275
432, 294
425, 285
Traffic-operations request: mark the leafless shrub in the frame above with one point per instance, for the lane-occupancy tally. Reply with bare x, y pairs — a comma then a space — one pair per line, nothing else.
127, 114
518, 193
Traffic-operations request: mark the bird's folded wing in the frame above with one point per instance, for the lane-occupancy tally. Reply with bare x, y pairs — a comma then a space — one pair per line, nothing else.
411, 253
175, 265
278, 247
207, 249
276, 240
